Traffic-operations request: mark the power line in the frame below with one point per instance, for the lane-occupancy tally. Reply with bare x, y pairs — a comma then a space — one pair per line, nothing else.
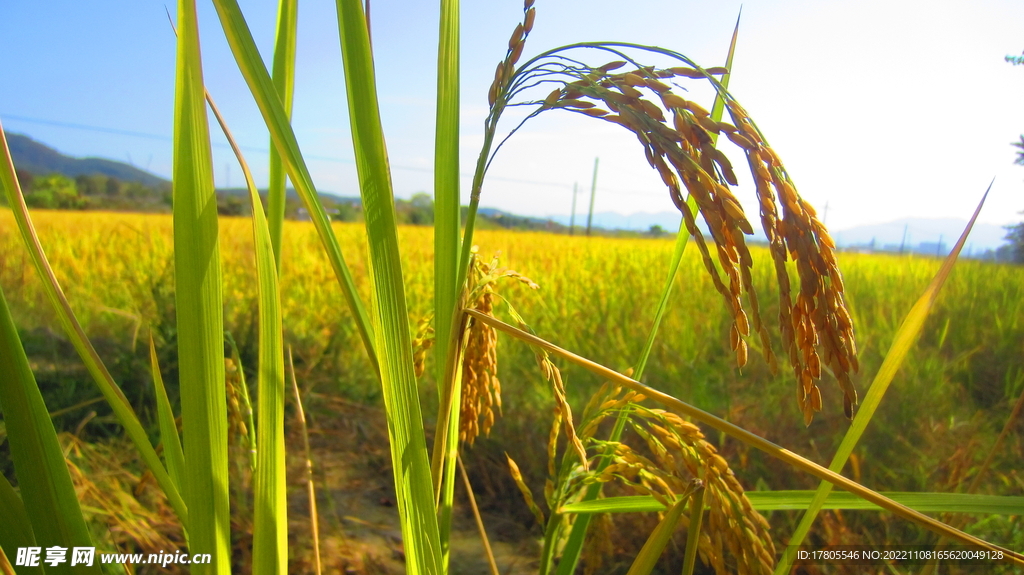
261, 150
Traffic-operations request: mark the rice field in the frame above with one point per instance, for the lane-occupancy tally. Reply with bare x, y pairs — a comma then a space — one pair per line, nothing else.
596, 297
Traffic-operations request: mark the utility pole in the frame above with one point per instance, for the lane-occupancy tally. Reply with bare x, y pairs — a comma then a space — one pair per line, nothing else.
593, 188
938, 247
903, 244
572, 216
824, 217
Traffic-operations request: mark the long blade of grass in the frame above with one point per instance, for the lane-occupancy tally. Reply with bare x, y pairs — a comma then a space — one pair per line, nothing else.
982, 471
801, 499
16, 529
693, 531
76, 335
479, 520
173, 454
658, 540
314, 516
920, 501
577, 536
5, 565
284, 81
746, 437
270, 520
415, 493
199, 308
243, 385
447, 214
718, 109
43, 476
903, 341
247, 56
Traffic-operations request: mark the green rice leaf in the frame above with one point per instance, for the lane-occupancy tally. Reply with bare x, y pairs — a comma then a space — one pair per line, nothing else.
270, 522
624, 504
236, 31
923, 502
284, 82
46, 485
15, 529
173, 454
199, 309
76, 335
801, 499
413, 484
5, 565
718, 109
903, 341
658, 540
446, 261
693, 531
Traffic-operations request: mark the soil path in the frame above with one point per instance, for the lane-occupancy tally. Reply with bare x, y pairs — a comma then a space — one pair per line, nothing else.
359, 525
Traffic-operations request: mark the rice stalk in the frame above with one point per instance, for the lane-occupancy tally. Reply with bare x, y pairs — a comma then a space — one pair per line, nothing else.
76, 334
497, 99
122, 500
314, 517
904, 339
815, 323
251, 65
283, 77
5, 565
677, 456
750, 439
169, 438
693, 531
16, 529
412, 471
265, 443
39, 463
476, 517
577, 536
447, 281
517, 477
786, 500
659, 538
481, 389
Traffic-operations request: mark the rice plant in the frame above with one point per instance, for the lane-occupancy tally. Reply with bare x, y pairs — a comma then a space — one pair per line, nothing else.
672, 468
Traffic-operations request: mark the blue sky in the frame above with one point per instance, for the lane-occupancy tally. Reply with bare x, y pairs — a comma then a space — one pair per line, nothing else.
880, 109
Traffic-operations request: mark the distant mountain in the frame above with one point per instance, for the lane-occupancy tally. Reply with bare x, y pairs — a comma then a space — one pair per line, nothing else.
930, 232
923, 235
40, 159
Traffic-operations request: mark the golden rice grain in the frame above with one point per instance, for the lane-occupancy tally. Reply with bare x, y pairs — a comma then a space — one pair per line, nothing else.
531, 15
684, 154
517, 37
686, 72
678, 454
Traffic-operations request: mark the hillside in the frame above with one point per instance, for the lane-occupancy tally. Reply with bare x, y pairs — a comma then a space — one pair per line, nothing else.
39, 159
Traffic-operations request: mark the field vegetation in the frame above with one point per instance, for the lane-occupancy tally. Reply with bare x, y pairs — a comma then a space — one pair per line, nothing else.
947, 405
710, 381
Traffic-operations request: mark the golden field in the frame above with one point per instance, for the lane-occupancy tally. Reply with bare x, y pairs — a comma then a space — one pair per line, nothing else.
597, 297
